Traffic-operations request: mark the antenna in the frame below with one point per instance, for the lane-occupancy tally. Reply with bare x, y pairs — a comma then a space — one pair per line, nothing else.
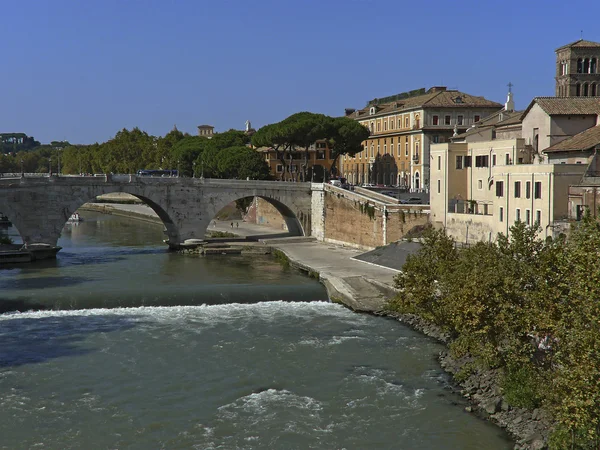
581, 33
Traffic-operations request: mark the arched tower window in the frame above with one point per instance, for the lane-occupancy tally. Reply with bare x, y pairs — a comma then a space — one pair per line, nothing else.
585, 90
579, 66
593, 65
593, 90
578, 90
417, 180
586, 65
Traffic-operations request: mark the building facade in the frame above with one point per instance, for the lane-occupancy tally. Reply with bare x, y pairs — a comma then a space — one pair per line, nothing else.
577, 69
402, 129
288, 165
206, 131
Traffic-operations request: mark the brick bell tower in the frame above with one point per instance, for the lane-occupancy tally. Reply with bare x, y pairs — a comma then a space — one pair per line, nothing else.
577, 69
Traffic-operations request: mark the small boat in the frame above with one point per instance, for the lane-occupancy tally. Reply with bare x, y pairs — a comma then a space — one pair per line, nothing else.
75, 217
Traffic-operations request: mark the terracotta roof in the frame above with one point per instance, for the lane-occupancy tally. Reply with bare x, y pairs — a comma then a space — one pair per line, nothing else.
205, 126
493, 121
436, 99
580, 44
566, 106
582, 141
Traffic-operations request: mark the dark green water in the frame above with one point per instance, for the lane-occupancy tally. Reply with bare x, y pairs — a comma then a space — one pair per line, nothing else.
199, 353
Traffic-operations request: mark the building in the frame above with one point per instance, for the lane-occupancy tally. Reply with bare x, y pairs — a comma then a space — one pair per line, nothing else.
549, 120
206, 131
481, 187
402, 129
288, 165
577, 69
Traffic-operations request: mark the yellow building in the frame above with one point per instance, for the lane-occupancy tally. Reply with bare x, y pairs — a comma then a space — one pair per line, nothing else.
480, 189
402, 129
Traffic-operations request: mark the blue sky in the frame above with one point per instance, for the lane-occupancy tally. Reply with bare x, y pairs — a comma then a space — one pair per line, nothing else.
82, 70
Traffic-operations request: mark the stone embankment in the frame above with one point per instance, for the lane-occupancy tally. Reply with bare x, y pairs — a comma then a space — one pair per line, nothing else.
481, 388
365, 287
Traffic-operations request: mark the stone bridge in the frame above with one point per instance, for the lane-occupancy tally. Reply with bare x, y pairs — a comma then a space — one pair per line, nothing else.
39, 207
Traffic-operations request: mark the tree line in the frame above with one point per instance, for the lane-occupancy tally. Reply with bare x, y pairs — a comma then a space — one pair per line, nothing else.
224, 155
526, 306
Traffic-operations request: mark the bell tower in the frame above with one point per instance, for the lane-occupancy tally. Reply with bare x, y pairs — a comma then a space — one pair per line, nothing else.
577, 69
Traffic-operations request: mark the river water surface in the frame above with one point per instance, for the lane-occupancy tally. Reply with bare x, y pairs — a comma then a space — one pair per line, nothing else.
133, 347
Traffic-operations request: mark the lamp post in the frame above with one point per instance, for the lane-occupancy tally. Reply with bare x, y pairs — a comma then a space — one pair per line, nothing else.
22, 171
178, 173
50, 166
194, 169
58, 163
202, 167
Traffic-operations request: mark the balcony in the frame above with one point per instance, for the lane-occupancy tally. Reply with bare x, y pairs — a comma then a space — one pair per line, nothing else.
478, 207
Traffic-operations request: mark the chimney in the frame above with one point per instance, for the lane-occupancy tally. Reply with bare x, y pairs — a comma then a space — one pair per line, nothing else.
437, 89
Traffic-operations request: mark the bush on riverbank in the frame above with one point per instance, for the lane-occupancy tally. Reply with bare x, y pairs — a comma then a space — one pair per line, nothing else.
528, 307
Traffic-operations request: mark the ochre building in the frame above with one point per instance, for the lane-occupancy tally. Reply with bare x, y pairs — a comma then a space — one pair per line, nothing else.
402, 129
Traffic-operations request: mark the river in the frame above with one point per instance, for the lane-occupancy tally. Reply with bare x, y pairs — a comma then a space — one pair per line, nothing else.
133, 347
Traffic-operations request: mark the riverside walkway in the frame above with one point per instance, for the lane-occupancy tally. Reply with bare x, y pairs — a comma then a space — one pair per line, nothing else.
360, 285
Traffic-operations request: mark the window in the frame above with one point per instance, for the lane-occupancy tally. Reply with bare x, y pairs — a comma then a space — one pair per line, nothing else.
538, 217
417, 122
518, 215
379, 126
372, 151
482, 161
391, 124
447, 120
435, 120
439, 186
468, 161
528, 189
537, 190
279, 168
479, 184
378, 149
439, 163
459, 120
459, 162
517, 189
476, 118
385, 149
527, 217
499, 189
399, 149
435, 139
507, 159
385, 125
501, 214
406, 149
406, 123
493, 160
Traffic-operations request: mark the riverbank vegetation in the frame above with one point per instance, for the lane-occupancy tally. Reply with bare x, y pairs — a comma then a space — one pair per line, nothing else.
526, 306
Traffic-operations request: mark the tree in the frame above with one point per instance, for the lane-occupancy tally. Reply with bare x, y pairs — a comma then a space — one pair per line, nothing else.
346, 139
186, 152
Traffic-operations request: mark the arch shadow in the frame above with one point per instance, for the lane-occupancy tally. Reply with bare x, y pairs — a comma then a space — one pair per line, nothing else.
296, 226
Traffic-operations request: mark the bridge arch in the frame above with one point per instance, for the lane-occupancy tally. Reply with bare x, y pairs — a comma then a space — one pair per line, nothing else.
40, 207
295, 225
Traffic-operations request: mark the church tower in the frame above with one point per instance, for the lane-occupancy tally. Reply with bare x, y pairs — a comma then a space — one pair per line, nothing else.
577, 69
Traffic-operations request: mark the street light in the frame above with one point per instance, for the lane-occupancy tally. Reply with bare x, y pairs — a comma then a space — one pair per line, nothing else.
178, 174
22, 171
